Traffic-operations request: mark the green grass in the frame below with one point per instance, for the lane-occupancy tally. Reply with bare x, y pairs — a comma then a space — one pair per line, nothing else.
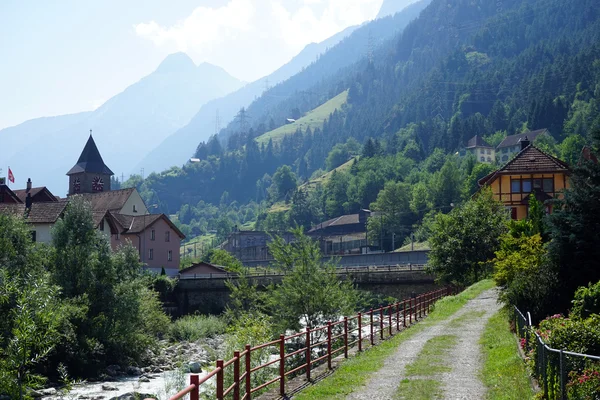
313, 119
354, 373
431, 359
194, 327
504, 371
466, 317
415, 246
419, 389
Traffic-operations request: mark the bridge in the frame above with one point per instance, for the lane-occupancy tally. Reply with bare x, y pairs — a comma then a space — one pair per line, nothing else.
208, 293
364, 260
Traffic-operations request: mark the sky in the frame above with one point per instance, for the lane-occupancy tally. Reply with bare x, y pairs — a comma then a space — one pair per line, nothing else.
68, 56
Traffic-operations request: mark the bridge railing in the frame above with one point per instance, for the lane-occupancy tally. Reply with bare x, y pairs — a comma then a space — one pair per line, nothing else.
339, 271
309, 349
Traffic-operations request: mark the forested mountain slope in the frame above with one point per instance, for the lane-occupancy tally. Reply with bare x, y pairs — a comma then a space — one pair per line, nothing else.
462, 68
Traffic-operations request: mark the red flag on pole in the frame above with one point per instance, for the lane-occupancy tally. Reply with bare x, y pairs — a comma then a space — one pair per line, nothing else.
11, 177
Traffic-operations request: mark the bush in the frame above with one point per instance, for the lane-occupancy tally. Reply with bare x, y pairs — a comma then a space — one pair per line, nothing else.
194, 327
584, 385
587, 301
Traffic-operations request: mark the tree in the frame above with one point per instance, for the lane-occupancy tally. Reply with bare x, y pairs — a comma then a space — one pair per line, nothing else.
393, 202
464, 241
574, 224
30, 309
570, 148
113, 315
310, 292
283, 183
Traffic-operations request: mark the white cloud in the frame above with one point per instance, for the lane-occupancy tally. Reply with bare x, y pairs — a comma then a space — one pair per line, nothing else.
250, 38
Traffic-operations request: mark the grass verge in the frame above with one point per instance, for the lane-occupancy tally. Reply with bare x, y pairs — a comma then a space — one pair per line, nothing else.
419, 389
504, 371
355, 372
431, 359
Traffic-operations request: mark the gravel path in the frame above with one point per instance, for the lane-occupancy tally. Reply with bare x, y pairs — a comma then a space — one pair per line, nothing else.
463, 381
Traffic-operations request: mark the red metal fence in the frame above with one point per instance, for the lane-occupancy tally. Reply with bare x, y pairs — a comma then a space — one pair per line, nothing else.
336, 340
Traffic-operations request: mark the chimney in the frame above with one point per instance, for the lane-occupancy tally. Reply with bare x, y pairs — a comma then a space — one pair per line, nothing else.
524, 143
28, 185
28, 201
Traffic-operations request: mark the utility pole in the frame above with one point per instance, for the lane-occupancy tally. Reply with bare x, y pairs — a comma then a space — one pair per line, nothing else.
393, 241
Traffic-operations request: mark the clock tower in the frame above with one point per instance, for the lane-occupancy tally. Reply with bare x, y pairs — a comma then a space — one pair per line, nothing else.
90, 174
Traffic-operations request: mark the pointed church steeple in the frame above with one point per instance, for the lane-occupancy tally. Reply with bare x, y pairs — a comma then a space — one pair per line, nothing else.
90, 174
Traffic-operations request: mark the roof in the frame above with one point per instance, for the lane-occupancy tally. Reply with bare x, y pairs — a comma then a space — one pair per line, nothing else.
4, 189
40, 213
348, 219
477, 141
203, 268
138, 224
42, 191
111, 200
90, 160
527, 161
514, 140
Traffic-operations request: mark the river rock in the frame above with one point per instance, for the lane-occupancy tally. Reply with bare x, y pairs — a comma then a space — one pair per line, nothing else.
32, 393
194, 367
133, 371
113, 370
134, 396
48, 392
108, 387
144, 379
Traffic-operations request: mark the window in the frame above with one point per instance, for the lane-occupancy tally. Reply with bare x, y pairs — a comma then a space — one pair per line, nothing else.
526, 183
489, 151
33, 236
504, 158
515, 186
167, 236
489, 159
537, 184
504, 150
548, 185
482, 159
134, 209
117, 236
170, 255
102, 225
513, 213
151, 254
153, 235
482, 151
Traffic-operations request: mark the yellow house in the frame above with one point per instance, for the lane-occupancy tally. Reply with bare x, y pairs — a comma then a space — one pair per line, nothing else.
530, 172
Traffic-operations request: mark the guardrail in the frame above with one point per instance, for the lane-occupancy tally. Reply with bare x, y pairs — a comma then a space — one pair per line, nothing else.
319, 346
549, 359
339, 271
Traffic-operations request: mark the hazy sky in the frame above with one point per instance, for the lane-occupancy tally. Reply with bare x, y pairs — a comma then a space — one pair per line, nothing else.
61, 57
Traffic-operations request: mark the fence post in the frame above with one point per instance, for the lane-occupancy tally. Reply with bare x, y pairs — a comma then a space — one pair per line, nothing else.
236, 375
308, 353
359, 332
404, 312
563, 392
248, 368
194, 380
282, 364
420, 306
372, 339
397, 316
328, 344
345, 337
381, 323
389, 310
220, 380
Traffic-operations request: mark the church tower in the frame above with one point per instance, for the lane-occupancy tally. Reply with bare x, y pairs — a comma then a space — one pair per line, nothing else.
90, 174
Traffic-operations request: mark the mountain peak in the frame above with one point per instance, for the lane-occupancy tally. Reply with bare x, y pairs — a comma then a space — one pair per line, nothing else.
176, 62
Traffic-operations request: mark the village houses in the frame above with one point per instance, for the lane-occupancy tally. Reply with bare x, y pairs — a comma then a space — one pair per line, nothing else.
120, 215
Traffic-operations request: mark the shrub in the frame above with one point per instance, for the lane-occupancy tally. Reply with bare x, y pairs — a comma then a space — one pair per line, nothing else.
587, 301
194, 327
584, 385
